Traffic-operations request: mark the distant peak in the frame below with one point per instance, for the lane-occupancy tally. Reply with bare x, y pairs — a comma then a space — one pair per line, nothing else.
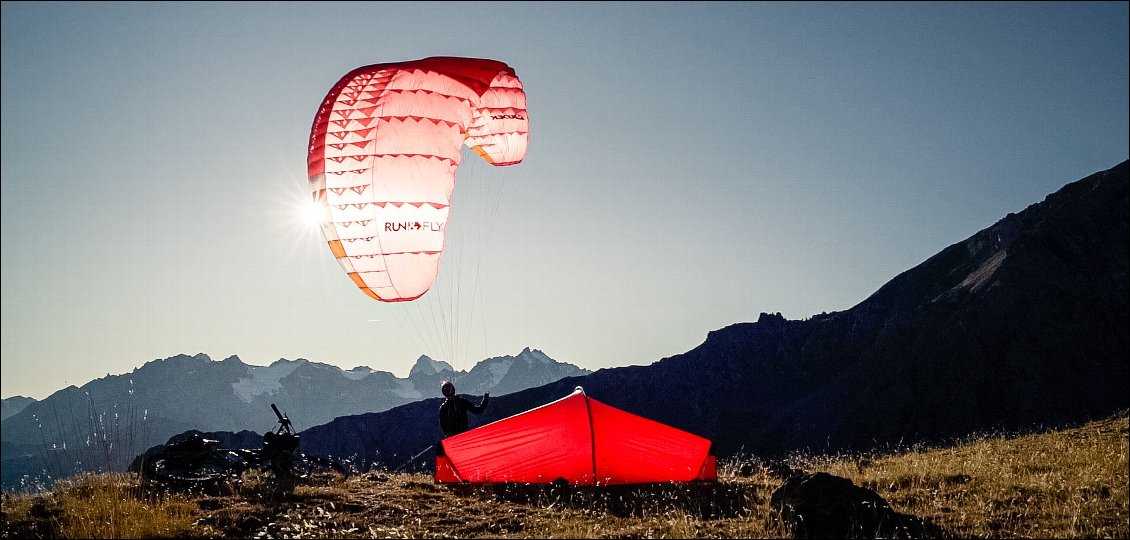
535, 356
426, 367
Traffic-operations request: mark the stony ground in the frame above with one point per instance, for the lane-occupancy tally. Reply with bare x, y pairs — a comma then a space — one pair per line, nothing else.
379, 505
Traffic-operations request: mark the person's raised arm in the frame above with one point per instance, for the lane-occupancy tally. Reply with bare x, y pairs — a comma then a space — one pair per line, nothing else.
482, 404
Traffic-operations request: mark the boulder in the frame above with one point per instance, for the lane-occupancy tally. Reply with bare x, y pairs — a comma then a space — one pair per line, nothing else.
821, 505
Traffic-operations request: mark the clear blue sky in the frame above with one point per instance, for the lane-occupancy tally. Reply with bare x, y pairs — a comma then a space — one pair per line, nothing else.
691, 165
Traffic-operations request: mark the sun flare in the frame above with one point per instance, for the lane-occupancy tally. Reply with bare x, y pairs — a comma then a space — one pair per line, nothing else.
311, 213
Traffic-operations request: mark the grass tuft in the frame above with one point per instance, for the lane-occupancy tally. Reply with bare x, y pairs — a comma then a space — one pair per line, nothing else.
100, 506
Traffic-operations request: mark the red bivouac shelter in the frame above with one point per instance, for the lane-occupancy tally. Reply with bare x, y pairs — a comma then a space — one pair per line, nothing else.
578, 440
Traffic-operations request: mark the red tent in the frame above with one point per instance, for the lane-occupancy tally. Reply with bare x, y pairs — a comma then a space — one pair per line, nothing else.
579, 440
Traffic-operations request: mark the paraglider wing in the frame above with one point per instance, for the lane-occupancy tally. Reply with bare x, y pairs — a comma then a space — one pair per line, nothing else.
384, 150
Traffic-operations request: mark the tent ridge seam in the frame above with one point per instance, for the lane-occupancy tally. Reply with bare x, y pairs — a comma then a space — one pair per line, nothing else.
592, 437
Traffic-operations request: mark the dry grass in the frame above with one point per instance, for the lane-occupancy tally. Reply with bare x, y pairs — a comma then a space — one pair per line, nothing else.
1066, 484
98, 506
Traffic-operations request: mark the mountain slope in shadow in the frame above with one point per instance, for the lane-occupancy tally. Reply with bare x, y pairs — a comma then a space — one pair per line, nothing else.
1022, 325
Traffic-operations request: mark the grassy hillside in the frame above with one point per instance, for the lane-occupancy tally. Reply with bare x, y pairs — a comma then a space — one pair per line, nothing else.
1064, 484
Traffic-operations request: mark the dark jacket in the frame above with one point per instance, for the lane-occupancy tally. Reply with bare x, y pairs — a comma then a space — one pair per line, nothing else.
453, 414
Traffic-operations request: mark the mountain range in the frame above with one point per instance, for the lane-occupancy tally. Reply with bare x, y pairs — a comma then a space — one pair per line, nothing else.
1020, 326
106, 422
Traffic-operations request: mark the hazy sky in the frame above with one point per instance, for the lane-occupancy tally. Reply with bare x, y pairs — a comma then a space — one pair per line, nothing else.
691, 165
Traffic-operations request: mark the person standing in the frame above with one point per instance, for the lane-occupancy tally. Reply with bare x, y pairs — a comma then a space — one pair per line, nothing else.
453, 411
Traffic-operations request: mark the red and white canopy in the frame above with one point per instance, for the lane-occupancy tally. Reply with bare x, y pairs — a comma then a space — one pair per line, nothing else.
384, 148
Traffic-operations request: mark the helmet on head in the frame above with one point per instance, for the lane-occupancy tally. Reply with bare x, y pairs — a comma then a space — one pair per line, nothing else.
447, 388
